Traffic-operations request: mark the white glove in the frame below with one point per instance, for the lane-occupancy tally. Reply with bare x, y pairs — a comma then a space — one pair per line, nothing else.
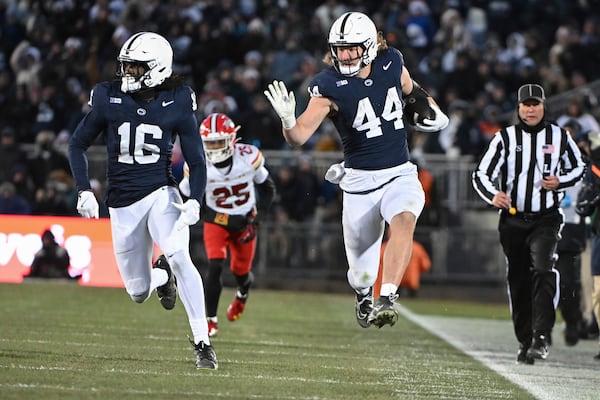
335, 173
283, 102
190, 213
439, 122
87, 205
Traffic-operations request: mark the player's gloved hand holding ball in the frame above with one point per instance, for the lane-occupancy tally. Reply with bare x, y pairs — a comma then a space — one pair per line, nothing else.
434, 123
283, 102
87, 205
422, 112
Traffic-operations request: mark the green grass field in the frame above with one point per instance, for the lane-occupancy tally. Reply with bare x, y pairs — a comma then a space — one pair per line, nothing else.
63, 341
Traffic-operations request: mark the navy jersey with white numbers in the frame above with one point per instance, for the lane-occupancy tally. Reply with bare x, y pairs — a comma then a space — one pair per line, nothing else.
139, 138
369, 119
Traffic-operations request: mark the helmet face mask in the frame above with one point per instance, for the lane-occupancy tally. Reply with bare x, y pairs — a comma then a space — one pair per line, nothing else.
146, 52
218, 133
349, 30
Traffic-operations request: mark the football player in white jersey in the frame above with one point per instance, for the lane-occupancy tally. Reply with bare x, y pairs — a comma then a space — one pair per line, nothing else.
368, 94
238, 191
140, 115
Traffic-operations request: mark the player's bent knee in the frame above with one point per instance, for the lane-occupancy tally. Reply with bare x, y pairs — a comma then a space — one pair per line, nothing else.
179, 260
139, 298
138, 289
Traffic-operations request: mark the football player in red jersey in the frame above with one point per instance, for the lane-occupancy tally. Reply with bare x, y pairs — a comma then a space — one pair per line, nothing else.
368, 94
140, 115
239, 189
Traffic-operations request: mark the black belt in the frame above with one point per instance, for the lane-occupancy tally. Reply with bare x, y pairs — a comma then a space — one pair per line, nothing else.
531, 216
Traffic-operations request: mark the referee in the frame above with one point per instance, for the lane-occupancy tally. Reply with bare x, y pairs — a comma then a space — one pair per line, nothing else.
524, 173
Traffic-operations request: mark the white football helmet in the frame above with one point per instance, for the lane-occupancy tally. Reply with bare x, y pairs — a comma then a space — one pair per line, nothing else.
218, 133
153, 52
353, 29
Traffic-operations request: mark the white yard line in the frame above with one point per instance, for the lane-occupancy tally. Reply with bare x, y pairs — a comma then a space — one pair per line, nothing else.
568, 373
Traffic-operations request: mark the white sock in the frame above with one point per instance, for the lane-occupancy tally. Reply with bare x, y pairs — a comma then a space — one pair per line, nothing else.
200, 331
387, 289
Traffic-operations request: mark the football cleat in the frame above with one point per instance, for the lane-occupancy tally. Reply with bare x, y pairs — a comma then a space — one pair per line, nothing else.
205, 355
571, 334
539, 348
167, 293
363, 307
522, 357
236, 309
384, 312
213, 328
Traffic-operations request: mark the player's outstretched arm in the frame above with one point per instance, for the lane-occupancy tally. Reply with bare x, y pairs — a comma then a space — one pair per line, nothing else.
296, 131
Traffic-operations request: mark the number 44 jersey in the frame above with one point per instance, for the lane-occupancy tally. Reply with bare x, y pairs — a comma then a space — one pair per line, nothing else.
369, 119
139, 137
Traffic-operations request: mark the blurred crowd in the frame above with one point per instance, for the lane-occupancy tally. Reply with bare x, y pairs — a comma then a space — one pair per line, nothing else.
472, 55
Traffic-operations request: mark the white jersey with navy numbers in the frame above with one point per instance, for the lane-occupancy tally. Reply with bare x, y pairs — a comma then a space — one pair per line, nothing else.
231, 190
369, 119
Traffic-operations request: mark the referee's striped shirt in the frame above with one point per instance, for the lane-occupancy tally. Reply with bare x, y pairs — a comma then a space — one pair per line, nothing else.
515, 162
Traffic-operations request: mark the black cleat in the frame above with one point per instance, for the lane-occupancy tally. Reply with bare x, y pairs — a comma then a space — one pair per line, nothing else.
539, 348
571, 334
522, 357
167, 293
205, 355
384, 312
363, 307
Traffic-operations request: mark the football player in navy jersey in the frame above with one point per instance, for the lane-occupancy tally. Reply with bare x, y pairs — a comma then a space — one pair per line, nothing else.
140, 115
369, 94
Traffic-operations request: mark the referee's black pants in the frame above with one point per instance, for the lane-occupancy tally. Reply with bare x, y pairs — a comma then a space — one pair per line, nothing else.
529, 242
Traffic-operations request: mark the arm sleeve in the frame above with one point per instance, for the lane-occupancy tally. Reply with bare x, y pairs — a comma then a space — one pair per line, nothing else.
487, 170
572, 163
193, 152
92, 124
265, 193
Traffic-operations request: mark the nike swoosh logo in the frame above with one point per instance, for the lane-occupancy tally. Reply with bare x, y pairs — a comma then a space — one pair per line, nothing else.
167, 103
386, 66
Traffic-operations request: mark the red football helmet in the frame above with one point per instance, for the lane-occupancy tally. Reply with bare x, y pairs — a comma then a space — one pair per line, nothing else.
218, 133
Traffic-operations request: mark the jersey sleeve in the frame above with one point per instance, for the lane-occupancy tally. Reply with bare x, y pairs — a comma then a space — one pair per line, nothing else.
191, 144
92, 124
261, 173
